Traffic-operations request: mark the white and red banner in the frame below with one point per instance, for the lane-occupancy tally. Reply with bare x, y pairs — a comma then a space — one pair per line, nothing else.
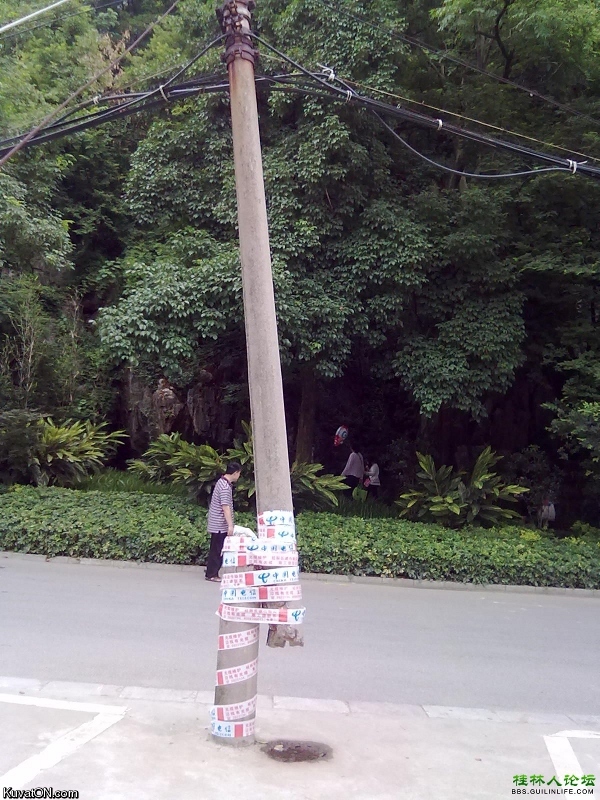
274, 616
243, 545
238, 542
232, 730
234, 710
237, 674
277, 525
262, 594
230, 641
272, 559
260, 577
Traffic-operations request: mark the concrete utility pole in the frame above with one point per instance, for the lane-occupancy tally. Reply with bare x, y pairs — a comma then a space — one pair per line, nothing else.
235, 701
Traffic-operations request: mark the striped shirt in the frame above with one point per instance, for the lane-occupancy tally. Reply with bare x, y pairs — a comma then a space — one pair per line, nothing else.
222, 496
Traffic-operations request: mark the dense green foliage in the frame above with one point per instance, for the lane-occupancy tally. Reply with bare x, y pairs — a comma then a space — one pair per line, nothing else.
427, 311
142, 527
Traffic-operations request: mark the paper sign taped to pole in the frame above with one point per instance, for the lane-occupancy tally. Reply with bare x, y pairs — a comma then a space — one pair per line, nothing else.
274, 616
262, 594
260, 559
232, 730
238, 542
234, 710
264, 577
236, 674
276, 517
231, 641
241, 544
276, 525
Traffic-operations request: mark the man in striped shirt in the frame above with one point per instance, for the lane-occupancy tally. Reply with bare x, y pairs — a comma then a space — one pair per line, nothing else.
220, 518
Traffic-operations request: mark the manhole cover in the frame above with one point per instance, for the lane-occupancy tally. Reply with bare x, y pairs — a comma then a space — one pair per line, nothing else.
293, 750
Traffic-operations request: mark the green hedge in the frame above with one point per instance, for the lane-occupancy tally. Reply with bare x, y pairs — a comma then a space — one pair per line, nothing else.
167, 529
122, 525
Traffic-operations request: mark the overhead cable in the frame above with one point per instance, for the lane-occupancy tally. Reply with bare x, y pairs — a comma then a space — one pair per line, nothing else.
87, 85
497, 128
15, 23
444, 54
462, 174
59, 19
346, 94
320, 85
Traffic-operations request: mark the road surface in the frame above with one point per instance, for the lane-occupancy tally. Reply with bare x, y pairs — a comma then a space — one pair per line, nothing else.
157, 628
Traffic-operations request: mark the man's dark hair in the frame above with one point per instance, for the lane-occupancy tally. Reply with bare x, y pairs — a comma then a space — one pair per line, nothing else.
233, 467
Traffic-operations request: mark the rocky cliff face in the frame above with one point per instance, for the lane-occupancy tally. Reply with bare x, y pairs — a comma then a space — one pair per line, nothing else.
197, 411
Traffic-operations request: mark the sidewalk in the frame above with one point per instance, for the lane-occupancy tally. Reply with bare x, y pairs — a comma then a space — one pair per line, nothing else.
133, 743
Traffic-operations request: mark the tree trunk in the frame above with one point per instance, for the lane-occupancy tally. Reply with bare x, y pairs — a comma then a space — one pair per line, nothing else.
306, 416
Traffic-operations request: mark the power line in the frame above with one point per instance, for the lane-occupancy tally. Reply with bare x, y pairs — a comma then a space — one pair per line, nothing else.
414, 42
152, 100
461, 172
33, 14
350, 96
86, 85
472, 119
59, 19
320, 85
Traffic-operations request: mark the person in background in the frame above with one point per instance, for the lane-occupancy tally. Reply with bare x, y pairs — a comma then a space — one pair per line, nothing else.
354, 471
546, 513
220, 519
372, 482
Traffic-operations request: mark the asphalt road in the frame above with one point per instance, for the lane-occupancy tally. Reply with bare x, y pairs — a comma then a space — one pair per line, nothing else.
157, 628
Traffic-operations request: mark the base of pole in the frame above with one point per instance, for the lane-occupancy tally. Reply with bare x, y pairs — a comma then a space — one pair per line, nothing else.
241, 741
240, 733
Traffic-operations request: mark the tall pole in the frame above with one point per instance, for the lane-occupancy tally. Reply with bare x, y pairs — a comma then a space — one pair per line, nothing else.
275, 553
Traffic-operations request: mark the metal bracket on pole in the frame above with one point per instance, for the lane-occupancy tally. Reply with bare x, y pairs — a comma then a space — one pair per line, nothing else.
235, 18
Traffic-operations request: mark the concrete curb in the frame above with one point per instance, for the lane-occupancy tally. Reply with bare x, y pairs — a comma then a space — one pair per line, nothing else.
68, 690
402, 583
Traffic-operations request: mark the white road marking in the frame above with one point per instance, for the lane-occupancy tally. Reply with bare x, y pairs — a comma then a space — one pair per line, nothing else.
62, 705
64, 746
562, 753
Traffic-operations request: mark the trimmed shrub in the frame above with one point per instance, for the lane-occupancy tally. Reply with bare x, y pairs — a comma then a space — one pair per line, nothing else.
166, 529
122, 525
398, 548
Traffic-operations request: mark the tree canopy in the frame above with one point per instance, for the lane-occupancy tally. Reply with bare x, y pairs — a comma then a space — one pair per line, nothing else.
423, 308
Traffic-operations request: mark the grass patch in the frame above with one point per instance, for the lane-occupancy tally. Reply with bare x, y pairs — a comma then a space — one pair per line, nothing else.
114, 480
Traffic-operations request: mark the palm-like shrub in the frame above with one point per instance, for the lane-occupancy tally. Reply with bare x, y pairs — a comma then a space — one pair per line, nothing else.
33, 449
483, 492
67, 453
456, 499
171, 458
311, 489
